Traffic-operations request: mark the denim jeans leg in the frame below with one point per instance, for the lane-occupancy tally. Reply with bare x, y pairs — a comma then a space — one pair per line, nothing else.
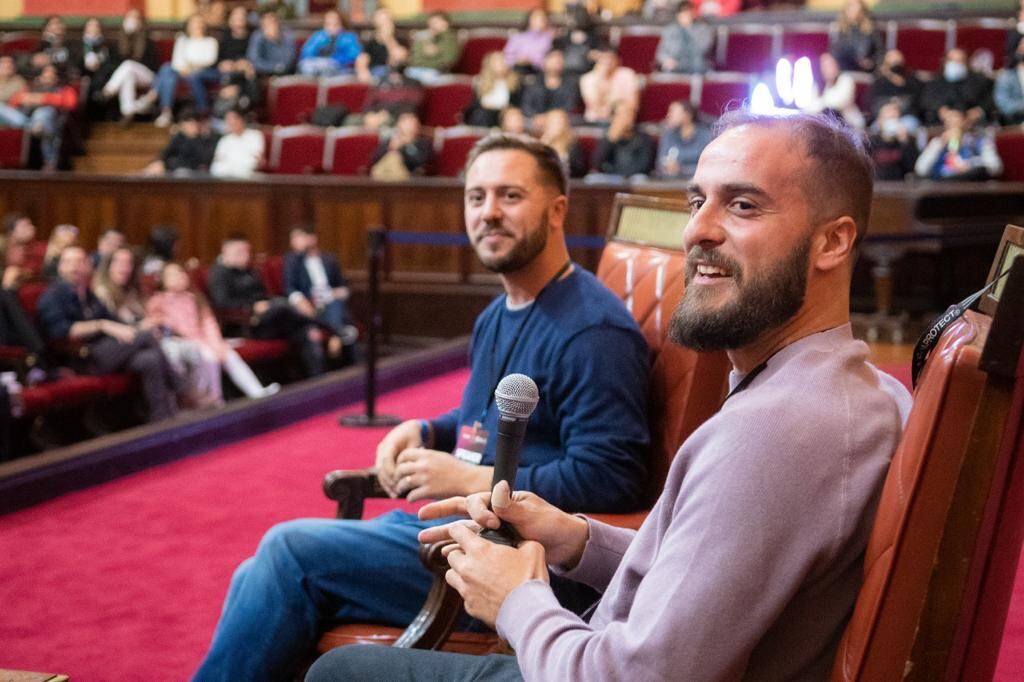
197, 83
166, 84
46, 120
9, 116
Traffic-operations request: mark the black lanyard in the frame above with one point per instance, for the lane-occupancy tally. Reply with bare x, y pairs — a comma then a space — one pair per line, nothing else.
497, 376
747, 380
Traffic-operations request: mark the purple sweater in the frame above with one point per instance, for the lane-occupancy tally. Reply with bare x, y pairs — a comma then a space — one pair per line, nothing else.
749, 564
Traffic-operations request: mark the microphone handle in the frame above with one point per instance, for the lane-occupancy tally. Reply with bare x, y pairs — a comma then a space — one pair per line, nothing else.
511, 432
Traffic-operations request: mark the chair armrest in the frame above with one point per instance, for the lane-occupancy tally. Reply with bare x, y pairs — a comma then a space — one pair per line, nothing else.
349, 488
436, 619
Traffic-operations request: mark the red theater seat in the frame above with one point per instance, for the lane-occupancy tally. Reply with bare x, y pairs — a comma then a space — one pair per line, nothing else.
804, 40
452, 146
721, 90
862, 83
346, 91
1010, 146
291, 99
923, 43
13, 148
588, 137
746, 49
637, 46
296, 149
348, 151
660, 90
164, 47
983, 34
476, 44
272, 271
445, 100
19, 42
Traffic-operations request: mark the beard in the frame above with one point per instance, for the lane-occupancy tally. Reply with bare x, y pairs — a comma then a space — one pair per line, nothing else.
765, 302
522, 252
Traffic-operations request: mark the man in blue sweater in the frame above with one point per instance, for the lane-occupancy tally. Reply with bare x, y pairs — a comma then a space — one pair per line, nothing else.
583, 451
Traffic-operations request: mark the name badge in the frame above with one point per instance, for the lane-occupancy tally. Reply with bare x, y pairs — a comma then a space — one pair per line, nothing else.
471, 443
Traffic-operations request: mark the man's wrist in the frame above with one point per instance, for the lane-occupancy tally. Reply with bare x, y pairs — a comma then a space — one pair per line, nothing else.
426, 433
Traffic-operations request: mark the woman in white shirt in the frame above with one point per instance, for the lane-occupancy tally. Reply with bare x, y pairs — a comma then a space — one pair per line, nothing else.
495, 88
194, 52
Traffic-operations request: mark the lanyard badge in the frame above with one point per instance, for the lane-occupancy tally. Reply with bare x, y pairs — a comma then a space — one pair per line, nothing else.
472, 443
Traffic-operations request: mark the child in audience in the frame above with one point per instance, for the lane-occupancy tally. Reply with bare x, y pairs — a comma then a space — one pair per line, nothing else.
187, 315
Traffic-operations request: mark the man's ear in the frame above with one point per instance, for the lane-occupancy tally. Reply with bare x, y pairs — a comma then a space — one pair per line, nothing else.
557, 211
835, 244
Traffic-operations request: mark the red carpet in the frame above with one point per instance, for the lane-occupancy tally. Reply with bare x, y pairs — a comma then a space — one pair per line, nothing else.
124, 581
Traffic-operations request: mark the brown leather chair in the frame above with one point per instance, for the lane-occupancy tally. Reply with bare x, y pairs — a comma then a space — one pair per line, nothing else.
685, 389
939, 565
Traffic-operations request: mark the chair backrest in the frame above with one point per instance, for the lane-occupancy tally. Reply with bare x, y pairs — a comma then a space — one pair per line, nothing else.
444, 101
347, 91
13, 148
660, 91
290, 99
983, 34
452, 147
747, 49
19, 42
637, 46
476, 44
348, 151
296, 149
923, 43
686, 387
804, 40
719, 91
1010, 145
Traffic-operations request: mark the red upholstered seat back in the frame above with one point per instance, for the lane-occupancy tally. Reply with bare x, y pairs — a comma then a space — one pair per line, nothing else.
296, 149
445, 100
686, 387
912, 511
291, 99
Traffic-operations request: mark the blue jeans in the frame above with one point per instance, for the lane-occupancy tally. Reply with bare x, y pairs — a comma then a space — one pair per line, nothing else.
167, 85
335, 315
45, 122
351, 663
307, 574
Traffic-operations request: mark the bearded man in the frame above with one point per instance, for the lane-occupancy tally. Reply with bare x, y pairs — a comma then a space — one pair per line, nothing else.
749, 564
584, 448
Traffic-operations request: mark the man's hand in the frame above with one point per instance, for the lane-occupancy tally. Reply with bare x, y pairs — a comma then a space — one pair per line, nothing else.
260, 307
122, 332
305, 307
340, 293
484, 573
422, 473
405, 435
562, 535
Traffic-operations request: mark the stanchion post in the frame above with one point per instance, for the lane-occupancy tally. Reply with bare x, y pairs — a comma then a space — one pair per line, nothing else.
377, 239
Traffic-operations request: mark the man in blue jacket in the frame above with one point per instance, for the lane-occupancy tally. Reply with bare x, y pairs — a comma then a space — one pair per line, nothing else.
331, 50
584, 446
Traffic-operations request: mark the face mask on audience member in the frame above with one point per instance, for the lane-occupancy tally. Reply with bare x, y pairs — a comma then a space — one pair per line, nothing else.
890, 127
954, 71
131, 24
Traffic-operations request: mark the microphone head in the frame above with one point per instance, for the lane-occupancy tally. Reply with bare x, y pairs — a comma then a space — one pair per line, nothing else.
516, 396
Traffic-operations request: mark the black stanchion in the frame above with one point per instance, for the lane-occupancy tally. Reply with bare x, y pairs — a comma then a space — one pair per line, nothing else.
377, 237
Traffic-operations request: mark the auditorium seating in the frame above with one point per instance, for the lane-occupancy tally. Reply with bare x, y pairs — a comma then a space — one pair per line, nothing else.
924, 43
476, 44
636, 46
444, 101
296, 149
686, 389
983, 34
346, 91
804, 40
659, 91
452, 147
291, 99
1010, 145
19, 42
719, 91
746, 49
13, 148
348, 151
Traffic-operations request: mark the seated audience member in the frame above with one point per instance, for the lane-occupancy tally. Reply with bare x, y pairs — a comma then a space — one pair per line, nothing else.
109, 241
55, 49
512, 121
272, 47
393, 96
708, 588
21, 231
61, 237
69, 310
404, 152
1015, 34
239, 151
838, 94
234, 72
213, 12
684, 43
44, 106
195, 51
160, 250
555, 322
957, 87
893, 80
960, 152
552, 89
190, 150
495, 88
624, 150
137, 68
579, 43
10, 84
185, 314
607, 83
237, 291
1009, 90
682, 142
855, 40
16, 328
316, 288
97, 61
893, 148
383, 51
525, 50
434, 50
558, 134
116, 284
331, 50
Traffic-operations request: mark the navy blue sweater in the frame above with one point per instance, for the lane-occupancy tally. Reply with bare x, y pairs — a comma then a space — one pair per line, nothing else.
586, 443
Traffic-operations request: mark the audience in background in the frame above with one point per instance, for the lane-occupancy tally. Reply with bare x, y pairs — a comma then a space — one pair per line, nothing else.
579, 43
272, 47
684, 43
893, 147
552, 89
190, 150
61, 237
194, 52
435, 50
234, 72
513, 121
97, 61
116, 284
331, 50
895, 81
395, 94
55, 49
16, 328
185, 314
682, 142
20, 239
525, 50
137, 68
383, 51
109, 241
10, 84
624, 151
69, 311
957, 87
160, 249
1015, 34
403, 153
1009, 88
607, 83
837, 94
239, 151
558, 134
495, 89
960, 152
855, 41
43, 107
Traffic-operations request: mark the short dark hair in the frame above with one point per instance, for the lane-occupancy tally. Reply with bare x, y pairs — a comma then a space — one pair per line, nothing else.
304, 228
551, 171
839, 177
12, 219
235, 237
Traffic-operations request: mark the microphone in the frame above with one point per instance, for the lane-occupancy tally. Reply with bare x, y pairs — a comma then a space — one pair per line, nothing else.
516, 398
